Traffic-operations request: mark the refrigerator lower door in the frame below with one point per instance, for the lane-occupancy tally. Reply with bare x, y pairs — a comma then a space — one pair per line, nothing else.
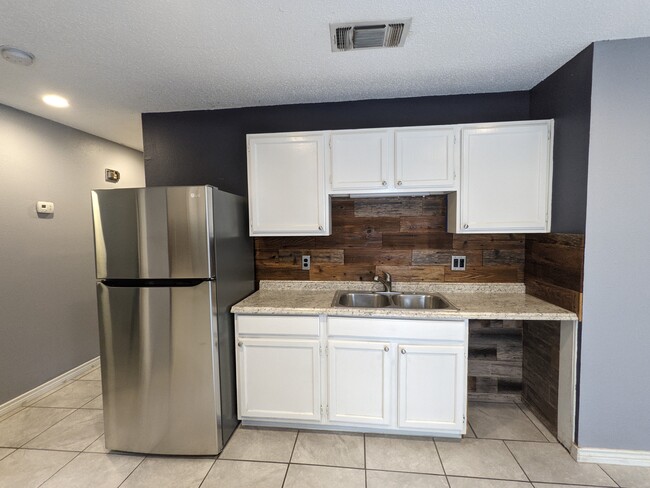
159, 369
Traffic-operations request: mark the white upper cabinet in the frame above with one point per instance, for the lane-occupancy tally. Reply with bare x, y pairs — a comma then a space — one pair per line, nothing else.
360, 160
404, 160
505, 181
425, 158
286, 184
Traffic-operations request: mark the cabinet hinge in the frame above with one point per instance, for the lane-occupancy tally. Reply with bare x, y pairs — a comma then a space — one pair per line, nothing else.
327, 350
321, 410
454, 138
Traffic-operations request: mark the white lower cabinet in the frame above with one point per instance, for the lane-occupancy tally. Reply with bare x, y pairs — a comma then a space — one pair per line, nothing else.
278, 377
365, 374
431, 387
359, 382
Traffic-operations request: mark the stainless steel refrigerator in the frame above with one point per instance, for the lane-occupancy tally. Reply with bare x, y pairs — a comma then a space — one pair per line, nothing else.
170, 263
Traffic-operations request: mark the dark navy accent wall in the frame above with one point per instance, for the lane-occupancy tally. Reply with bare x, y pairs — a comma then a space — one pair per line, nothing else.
566, 97
209, 146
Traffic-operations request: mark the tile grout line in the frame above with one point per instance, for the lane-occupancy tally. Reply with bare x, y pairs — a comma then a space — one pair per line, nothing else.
444, 471
58, 470
210, 468
293, 449
132, 471
607, 474
365, 462
534, 423
22, 446
517, 461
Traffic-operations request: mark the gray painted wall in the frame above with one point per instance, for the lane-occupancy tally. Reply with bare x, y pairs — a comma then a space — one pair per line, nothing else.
566, 97
48, 318
614, 386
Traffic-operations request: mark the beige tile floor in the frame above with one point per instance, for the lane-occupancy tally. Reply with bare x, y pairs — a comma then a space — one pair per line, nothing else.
57, 441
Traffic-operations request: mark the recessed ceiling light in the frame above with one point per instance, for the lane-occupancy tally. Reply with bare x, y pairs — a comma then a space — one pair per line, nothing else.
16, 56
56, 101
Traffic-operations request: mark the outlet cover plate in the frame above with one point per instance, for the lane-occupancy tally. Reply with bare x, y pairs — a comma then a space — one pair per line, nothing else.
458, 263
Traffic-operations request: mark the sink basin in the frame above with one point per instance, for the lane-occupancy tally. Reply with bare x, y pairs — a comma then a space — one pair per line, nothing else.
373, 300
368, 299
427, 301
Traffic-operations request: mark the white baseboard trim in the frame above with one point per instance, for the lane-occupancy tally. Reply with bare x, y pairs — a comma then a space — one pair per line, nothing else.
623, 457
54, 383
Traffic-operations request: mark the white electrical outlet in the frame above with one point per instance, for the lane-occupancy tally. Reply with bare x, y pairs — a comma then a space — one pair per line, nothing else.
306, 262
458, 263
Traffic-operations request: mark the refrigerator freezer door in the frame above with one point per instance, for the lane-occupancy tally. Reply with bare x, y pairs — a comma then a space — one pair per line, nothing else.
154, 233
159, 369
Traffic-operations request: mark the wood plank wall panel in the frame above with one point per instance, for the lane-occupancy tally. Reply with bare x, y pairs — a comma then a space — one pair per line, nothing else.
554, 268
495, 360
541, 364
405, 236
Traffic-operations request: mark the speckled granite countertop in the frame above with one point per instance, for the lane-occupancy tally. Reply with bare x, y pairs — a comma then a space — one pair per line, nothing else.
499, 301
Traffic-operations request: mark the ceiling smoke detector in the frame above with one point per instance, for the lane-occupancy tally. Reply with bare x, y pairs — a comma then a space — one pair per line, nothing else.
365, 35
16, 56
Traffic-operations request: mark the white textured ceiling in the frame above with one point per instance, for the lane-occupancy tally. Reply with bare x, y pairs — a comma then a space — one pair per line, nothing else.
115, 59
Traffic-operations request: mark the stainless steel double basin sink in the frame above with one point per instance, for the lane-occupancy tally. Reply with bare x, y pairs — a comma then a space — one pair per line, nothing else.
378, 299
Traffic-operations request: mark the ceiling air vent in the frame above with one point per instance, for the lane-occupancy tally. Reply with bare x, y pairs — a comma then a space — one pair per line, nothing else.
365, 35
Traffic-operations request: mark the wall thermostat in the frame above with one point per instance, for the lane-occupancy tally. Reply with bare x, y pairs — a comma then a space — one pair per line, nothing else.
45, 207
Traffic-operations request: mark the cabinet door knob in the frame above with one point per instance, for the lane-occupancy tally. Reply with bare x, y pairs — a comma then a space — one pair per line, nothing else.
403, 351
320, 227
240, 343
399, 183
386, 348
466, 226
384, 183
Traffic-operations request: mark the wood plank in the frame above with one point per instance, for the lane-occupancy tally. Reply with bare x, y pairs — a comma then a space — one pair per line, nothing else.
435, 205
433, 240
363, 224
423, 224
361, 238
558, 239
443, 257
378, 257
554, 275
342, 209
388, 206
320, 256
484, 274
557, 295
488, 241
271, 273
413, 273
342, 272
500, 257
274, 243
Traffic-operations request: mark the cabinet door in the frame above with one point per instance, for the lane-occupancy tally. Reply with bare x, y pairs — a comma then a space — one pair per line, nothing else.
432, 388
424, 158
360, 160
279, 379
359, 382
505, 178
286, 185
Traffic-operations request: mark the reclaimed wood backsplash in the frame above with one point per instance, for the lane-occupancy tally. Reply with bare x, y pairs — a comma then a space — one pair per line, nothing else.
554, 268
541, 370
405, 236
495, 360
